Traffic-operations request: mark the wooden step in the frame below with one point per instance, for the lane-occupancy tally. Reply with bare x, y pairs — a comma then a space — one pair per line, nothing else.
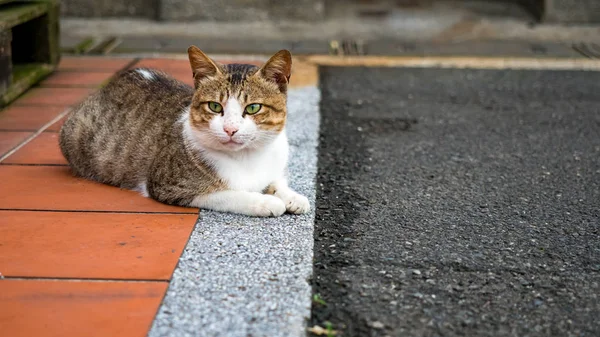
29, 44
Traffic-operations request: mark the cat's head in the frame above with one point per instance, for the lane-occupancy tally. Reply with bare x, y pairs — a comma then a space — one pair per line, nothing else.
238, 106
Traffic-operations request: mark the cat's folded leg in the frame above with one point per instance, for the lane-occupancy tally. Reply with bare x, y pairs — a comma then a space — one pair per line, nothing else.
241, 202
295, 203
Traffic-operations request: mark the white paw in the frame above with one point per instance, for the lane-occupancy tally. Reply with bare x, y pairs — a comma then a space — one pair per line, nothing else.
268, 205
295, 203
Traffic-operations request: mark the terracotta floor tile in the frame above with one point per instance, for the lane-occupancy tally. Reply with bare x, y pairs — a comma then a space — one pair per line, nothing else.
167, 65
185, 77
43, 149
43, 308
77, 79
93, 63
55, 188
56, 126
10, 139
254, 62
27, 117
53, 96
92, 245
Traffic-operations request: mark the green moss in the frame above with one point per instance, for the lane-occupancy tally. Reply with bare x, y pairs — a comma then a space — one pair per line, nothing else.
24, 76
15, 14
83, 46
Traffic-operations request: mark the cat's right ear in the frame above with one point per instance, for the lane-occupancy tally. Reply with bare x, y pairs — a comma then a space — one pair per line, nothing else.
202, 65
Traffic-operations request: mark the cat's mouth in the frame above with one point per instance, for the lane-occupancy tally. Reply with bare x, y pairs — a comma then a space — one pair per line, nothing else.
232, 142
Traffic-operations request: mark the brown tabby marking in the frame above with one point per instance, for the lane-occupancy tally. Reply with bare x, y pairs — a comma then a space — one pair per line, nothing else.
248, 85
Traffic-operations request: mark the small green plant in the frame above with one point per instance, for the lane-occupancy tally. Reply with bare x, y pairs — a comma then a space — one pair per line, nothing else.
327, 331
329, 328
319, 300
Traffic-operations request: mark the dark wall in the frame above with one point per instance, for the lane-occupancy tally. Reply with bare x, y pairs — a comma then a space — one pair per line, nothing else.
563, 11
190, 10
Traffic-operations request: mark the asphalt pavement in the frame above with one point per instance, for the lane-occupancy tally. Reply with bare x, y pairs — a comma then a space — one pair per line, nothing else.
458, 203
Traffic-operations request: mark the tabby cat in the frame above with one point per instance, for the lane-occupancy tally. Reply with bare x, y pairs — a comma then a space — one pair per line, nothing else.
221, 145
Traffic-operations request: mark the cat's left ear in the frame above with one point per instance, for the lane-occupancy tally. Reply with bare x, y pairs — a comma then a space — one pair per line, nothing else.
278, 69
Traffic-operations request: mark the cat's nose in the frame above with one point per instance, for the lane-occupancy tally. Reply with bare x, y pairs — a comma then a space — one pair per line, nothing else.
230, 130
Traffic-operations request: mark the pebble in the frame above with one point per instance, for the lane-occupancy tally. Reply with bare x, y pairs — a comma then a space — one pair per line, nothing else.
377, 325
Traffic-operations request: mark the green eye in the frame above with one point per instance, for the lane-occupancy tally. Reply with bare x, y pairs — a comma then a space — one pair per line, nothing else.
251, 109
215, 107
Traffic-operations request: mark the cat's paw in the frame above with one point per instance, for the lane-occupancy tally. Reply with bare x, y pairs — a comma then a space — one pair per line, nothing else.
268, 205
295, 203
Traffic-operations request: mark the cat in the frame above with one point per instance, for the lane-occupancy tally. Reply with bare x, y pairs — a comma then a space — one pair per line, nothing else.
220, 145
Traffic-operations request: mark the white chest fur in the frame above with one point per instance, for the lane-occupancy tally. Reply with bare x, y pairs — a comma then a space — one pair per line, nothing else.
254, 170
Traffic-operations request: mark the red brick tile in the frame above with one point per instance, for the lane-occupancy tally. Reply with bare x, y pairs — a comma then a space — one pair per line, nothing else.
167, 65
45, 308
27, 117
43, 149
254, 62
55, 188
56, 126
10, 139
77, 79
92, 245
53, 96
185, 77
101, 64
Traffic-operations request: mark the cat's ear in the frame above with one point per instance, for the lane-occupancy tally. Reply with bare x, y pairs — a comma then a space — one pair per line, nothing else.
202, 65
278, 69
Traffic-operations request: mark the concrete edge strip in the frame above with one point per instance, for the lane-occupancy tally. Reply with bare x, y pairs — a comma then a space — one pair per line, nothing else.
475, 62
457, 62
241, 276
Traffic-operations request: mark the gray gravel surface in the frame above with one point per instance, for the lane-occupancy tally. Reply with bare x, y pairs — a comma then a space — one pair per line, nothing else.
458, 203
242, 276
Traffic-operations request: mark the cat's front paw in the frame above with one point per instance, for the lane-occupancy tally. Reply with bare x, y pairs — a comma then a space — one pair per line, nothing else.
268, 205
295, 203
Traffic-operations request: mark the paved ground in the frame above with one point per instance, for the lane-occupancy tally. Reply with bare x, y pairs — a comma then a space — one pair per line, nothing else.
77, 257
458, 202
450, 202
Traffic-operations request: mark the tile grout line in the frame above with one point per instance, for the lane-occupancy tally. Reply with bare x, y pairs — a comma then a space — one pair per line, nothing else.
92, 211
59, 117
43, 105
30, 164
67, 86
18, 130
80, 279
164, 296
131, 64
35, 134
